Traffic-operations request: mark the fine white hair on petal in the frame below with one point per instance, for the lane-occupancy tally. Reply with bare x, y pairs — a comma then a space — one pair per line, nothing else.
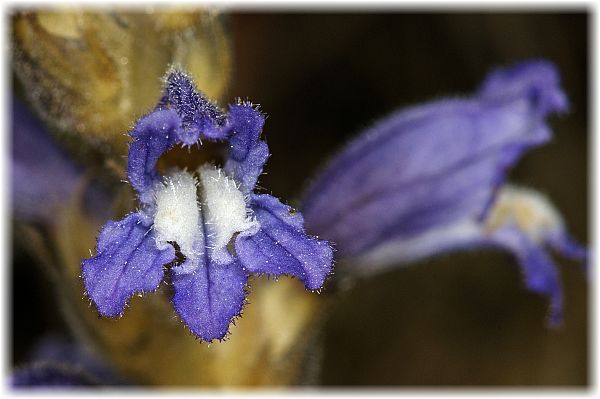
528, 209
225, 206
177, 215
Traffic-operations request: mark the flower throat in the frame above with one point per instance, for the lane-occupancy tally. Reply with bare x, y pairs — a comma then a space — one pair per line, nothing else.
184, 202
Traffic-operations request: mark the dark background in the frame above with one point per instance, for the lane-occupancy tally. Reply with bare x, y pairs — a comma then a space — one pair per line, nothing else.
461, 319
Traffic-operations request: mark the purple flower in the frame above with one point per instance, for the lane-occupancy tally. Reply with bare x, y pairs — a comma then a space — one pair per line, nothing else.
57, 363
50, 375
430, 179
221, 228
44, 178
40, 170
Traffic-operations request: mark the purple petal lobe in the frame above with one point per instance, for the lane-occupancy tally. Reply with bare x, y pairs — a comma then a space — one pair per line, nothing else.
427, 166
541, 274
537, 80
565, 245
247, 154
153, 135
200, 117
208, 296
282, 247
127, 261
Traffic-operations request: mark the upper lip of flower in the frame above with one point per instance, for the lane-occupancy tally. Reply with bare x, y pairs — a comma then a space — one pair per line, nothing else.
210, 285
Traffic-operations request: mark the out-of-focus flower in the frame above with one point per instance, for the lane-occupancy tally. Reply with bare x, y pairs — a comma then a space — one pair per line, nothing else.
57, 363
48, 375
43, 177
430, 179
229, 233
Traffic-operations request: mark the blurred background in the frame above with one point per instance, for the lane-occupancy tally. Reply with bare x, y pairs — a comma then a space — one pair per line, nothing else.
460, 319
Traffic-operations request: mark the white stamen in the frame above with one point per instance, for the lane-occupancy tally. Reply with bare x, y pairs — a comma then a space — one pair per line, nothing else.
177, 215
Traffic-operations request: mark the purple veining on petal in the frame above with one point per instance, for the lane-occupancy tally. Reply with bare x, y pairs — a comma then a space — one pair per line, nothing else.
127, 262
247, 154
209, 297
409, 162
282, 247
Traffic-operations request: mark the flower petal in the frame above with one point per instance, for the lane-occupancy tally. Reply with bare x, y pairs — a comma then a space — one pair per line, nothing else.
127, 261
200, 117
541, 274
153, 135
537, 80
281, 246
429, 165
247, 154
565, 245
208, 296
